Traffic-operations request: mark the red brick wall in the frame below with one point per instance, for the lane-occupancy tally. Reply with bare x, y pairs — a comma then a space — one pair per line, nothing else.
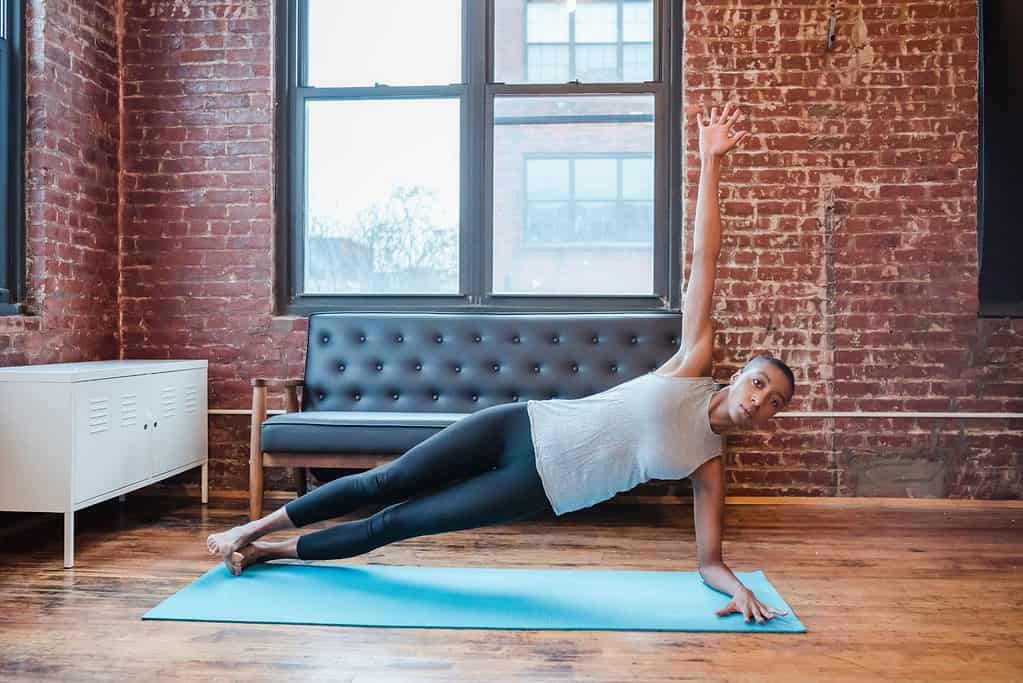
849, 246
71, 167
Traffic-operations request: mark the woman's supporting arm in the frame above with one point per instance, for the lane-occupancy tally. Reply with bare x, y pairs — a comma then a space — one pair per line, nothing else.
709, 519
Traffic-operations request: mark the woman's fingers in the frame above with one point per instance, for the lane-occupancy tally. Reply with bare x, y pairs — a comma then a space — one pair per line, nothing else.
733, 118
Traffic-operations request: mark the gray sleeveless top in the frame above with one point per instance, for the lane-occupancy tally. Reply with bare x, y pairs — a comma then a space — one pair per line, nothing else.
650, 427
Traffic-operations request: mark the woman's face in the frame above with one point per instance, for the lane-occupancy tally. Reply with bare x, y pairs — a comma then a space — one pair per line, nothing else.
757, 395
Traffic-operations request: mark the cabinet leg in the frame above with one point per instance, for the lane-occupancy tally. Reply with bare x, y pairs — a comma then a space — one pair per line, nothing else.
205, 482
298, 474
69, 539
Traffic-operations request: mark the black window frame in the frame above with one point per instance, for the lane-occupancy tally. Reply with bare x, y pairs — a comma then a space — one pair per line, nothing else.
12, 128
477, 93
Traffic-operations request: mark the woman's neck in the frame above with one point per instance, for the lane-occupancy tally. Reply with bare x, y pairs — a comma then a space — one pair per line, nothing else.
720, 421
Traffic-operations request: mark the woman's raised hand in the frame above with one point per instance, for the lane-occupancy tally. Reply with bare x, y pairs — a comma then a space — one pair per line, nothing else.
716, 135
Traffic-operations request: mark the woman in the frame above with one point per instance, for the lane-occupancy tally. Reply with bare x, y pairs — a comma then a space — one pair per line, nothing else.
513, 461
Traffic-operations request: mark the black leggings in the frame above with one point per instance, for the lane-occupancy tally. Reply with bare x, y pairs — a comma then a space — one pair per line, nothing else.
475, 472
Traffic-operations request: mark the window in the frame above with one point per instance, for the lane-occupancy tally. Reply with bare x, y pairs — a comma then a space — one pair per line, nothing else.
11, 155
504, 155
999, 239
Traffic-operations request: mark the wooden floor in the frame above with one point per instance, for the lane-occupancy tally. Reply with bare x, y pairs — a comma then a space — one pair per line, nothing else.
888, 590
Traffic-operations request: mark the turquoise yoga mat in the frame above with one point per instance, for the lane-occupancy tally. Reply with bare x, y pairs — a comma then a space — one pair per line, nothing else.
464, 597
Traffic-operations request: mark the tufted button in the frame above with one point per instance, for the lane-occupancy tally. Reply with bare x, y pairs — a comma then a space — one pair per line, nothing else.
515, 397
435, 397
399, 339
439, 339
379, 367
614, 368
633, 340
357, 397
674, 340
362, 337
477, 339
475, 397
325, 339
458, 368
575, 368
496, 367
320, 396
556, 339
341, 367
516, 339
593, 339
553, 395
394, 396
536, 368
419, 367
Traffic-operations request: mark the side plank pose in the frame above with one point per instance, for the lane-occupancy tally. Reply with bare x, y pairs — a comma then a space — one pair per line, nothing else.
514, 461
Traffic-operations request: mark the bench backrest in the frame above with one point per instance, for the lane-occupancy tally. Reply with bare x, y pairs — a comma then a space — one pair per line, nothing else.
460, 363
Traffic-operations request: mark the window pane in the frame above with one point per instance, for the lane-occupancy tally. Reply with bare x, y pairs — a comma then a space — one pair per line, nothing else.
547, 178
596, 22
637, 219
547, 221
596, 179
638, 21
548, 63
546, 22
570, 247
596, 222
596, 63
638, 178
382, 197
637, 62
600, 41
398, 42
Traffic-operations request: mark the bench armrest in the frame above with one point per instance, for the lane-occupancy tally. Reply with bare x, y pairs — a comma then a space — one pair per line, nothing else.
277, 383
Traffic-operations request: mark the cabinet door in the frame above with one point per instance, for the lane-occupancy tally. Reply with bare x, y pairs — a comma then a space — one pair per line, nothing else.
178, 421
111, 448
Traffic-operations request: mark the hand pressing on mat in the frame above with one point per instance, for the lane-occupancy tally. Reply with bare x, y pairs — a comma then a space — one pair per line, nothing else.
747, 604
716, 135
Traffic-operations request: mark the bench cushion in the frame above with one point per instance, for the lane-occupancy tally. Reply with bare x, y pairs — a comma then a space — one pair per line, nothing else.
327, 431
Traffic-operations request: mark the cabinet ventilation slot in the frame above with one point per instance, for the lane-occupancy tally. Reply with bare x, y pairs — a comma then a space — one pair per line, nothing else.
99, 415
129, 410
191, 399
168, 402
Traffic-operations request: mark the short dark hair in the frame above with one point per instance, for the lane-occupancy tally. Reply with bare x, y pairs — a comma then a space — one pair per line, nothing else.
771, 360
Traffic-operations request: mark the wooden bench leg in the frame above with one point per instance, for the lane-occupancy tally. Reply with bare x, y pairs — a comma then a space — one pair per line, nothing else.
255, 486
256, 453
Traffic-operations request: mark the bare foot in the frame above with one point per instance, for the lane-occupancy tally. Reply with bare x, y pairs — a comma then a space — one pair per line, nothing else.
226, 542
253, 553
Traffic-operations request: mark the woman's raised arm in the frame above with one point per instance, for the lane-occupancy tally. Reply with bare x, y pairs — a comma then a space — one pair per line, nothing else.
716, 139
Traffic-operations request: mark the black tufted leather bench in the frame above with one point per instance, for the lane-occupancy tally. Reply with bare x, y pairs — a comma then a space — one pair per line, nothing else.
377, 384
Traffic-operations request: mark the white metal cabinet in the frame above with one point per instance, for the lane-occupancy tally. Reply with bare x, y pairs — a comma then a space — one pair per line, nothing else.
76, 434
